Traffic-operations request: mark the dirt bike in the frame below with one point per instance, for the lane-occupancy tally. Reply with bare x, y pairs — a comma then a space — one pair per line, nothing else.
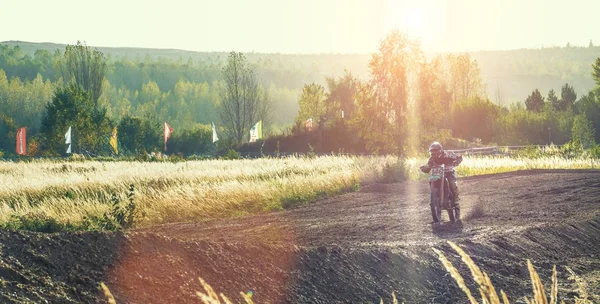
441, 197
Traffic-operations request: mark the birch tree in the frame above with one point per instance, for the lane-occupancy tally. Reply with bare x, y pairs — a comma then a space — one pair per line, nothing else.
243, 101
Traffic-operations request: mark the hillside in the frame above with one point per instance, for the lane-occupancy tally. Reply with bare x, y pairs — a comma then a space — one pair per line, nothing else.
516, 73
510, 75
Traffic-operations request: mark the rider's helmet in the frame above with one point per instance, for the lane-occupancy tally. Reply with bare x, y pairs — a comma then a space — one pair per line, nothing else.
435, 149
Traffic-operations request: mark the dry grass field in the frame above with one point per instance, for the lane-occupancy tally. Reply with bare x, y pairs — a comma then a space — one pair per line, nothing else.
66, 193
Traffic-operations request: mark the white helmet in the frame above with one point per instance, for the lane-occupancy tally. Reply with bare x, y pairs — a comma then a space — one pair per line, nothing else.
435, 146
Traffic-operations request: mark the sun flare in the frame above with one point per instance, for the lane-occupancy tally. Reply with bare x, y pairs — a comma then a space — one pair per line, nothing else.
409, 20
420, 21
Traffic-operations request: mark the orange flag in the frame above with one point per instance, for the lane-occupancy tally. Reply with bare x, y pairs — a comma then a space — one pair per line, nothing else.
168, 131
22, 141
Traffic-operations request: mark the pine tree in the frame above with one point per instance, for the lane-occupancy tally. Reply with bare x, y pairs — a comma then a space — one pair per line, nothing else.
552, 99
567, 98
535, 101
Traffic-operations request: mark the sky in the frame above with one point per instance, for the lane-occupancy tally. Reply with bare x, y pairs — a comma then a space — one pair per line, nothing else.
302, 26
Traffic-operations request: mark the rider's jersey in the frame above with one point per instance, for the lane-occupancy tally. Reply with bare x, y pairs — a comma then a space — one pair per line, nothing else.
449, 159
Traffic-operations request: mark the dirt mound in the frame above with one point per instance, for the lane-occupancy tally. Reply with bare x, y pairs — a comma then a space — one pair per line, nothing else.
357, 247
55, 268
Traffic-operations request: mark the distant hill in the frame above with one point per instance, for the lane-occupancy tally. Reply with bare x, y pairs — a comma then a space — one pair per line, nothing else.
320, 65
509, 75
31, 47
516, 73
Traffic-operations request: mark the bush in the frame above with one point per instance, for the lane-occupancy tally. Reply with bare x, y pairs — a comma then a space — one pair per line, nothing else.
175, 158
393, 172
35, 221
120, 217
142, 156
296, 199
571, 150
530, 151
594, 152
232, 154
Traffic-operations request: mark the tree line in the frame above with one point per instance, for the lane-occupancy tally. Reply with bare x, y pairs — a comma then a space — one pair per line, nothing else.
509, 74
406, 102
76, 103
410, 101
181, 91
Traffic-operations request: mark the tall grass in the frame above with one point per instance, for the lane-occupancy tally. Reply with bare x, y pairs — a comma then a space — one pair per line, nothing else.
490, 164
109, 297
488, 292
69, 192
51, 195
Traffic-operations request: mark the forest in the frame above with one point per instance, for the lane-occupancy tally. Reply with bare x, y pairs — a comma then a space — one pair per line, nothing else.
517, 97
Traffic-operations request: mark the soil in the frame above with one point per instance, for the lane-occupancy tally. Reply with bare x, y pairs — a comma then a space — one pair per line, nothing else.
358, 247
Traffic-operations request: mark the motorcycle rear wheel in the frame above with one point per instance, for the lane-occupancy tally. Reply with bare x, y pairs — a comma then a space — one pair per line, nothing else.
451, 214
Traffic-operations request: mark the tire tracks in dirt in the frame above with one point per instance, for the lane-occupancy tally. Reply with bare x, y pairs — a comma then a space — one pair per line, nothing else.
356, 247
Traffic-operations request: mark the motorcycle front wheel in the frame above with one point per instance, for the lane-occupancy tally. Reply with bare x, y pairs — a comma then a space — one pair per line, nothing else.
436, 213
436, 208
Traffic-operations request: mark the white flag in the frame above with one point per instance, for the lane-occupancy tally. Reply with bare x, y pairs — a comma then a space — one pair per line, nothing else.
214, 131
256, 131
68, 140
68, 136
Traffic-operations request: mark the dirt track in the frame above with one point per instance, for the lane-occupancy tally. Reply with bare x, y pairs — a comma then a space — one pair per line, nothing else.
356, 248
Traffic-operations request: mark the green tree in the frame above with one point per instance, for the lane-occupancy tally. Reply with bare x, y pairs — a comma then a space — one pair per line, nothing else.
433, 101
139, 135
535, 101
464, 77
243, 101
131, 135
342, 93
589, 105
312, 104
72, 107
596, 71
194, 140
85, 67
8, 132
474, 118
153, 133
24, 101
567, 98
552, 99
382, 102
583, 132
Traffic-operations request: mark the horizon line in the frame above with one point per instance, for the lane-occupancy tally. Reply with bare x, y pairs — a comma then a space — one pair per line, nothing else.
543, 47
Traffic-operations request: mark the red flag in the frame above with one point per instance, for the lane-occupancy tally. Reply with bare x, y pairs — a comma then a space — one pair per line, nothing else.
22, 141
168, 131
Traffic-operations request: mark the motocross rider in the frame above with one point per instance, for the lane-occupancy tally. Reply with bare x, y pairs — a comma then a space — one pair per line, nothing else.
451, 160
